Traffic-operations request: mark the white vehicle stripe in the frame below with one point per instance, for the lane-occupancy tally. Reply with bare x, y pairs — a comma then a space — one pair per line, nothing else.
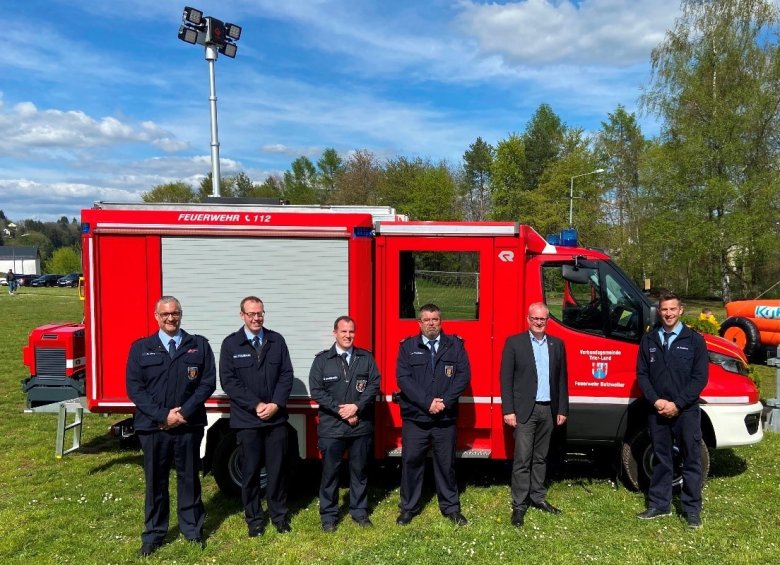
404, 229
725, 399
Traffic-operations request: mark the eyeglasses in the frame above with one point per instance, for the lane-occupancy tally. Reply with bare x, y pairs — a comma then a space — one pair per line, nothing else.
251, 315
172, 315
537, 320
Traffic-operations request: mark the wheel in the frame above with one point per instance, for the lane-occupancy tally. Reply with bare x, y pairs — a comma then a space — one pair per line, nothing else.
227, 466
637, 458
743, 332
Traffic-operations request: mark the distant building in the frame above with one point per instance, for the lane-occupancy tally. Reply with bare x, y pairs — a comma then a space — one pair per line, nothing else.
25, 260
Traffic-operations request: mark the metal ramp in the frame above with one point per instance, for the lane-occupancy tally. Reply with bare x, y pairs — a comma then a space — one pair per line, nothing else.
74, 407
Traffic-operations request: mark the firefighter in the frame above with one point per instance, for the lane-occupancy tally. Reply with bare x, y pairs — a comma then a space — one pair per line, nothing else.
170, 374
256, 372
672, 371
344, 380
432, 371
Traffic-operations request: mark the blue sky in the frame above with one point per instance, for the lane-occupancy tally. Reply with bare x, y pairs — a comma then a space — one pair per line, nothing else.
102, 101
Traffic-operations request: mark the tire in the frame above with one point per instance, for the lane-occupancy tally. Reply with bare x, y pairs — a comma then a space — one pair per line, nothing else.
226, 463
742, 332
637, 459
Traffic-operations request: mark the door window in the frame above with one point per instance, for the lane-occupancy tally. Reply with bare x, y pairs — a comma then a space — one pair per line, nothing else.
448, 279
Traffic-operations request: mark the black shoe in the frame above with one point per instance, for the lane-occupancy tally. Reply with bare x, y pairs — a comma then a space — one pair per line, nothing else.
255, 531
404, 518
197, 541
148, 548
693, 519
518, 518
652, 513
329, 527
364, 522
457, 518
545, 506
283, 526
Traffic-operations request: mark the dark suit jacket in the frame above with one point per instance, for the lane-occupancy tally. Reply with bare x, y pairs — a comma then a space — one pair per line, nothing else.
519, 379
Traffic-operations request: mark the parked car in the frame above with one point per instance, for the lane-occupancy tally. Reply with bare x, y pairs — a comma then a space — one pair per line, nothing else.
24, 280
3, 282
46, 280
71, 279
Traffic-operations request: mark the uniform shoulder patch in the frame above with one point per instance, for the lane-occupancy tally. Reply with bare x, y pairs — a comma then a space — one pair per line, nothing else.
321, 352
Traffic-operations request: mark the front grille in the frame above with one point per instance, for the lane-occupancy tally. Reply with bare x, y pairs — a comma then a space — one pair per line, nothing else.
49, 362
752, 422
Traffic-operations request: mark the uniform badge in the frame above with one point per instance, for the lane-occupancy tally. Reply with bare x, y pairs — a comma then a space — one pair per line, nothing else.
449, 371
192, 373
360, 385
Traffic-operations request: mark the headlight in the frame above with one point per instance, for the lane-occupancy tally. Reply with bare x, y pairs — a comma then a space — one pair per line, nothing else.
730, 364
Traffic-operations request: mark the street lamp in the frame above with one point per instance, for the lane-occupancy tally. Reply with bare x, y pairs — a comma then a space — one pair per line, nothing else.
571, 192
217, 37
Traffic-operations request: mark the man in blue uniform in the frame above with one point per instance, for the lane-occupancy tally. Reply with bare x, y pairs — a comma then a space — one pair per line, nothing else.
170, 374
256, 373
672, 372
344, 380
432, 372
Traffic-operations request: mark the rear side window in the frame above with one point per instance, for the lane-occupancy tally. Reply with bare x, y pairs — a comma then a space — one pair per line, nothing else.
448, 279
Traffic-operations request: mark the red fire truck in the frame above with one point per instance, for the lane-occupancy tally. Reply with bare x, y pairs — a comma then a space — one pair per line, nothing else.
311, 265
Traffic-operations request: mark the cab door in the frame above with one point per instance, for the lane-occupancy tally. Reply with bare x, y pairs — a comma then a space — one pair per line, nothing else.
456, 274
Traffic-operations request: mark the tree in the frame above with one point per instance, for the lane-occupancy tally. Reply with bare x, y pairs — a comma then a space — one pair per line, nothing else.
508, 178
543, 138
715, 85
64, 260
358, 183
477, 177
206, 188
619, 148
300, 182
329, 168
244, 187
170, 192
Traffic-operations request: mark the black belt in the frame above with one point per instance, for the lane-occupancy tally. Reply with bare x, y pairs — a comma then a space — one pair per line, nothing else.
545, 403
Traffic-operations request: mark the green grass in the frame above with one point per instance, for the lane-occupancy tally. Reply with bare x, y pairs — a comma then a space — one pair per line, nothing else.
88, 506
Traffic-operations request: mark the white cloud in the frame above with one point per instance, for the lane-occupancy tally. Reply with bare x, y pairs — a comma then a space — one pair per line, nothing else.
541, 32
26, 130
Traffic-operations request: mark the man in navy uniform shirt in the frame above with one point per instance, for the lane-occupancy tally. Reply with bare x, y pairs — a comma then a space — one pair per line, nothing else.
257, 374
672, 371
432, 372
170, 374
344, 380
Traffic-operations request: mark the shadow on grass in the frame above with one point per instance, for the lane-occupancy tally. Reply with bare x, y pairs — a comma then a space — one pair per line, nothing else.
726, 463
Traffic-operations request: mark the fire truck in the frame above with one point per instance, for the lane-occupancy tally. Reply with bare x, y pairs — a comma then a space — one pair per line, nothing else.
313, 264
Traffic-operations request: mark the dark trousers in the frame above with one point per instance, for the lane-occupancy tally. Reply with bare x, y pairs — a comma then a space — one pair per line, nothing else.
266, 446
529, 467
685, 429
182, 448
333, 450
416, 437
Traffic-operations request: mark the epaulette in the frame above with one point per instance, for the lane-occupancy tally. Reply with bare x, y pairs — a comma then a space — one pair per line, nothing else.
321, 352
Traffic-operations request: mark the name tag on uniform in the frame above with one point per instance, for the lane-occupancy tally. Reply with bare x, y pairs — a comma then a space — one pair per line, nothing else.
240, 355
330, 379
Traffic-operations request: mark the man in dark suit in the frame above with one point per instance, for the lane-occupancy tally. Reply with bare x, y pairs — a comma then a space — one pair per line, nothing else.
170, 375
534, 399
432, 371
257, 374
672, 371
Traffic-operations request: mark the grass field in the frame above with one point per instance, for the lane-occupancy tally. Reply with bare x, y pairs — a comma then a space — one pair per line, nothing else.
88, 506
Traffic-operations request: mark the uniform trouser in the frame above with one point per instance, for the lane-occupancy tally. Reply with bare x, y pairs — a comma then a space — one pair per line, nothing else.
333, 450
266, 446
529, 466
685, 429
416, 437
160, 448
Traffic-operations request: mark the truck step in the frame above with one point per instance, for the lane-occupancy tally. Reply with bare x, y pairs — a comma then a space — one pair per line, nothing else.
461, 453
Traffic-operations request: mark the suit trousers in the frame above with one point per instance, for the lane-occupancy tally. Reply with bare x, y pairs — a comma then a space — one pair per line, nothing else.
685, 430
416, 437
182, 448
266, 446
333, 450
529, 467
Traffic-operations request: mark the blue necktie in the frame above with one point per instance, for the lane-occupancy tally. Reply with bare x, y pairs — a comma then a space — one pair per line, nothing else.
172, 348
256, 343
432, 345
667, 335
